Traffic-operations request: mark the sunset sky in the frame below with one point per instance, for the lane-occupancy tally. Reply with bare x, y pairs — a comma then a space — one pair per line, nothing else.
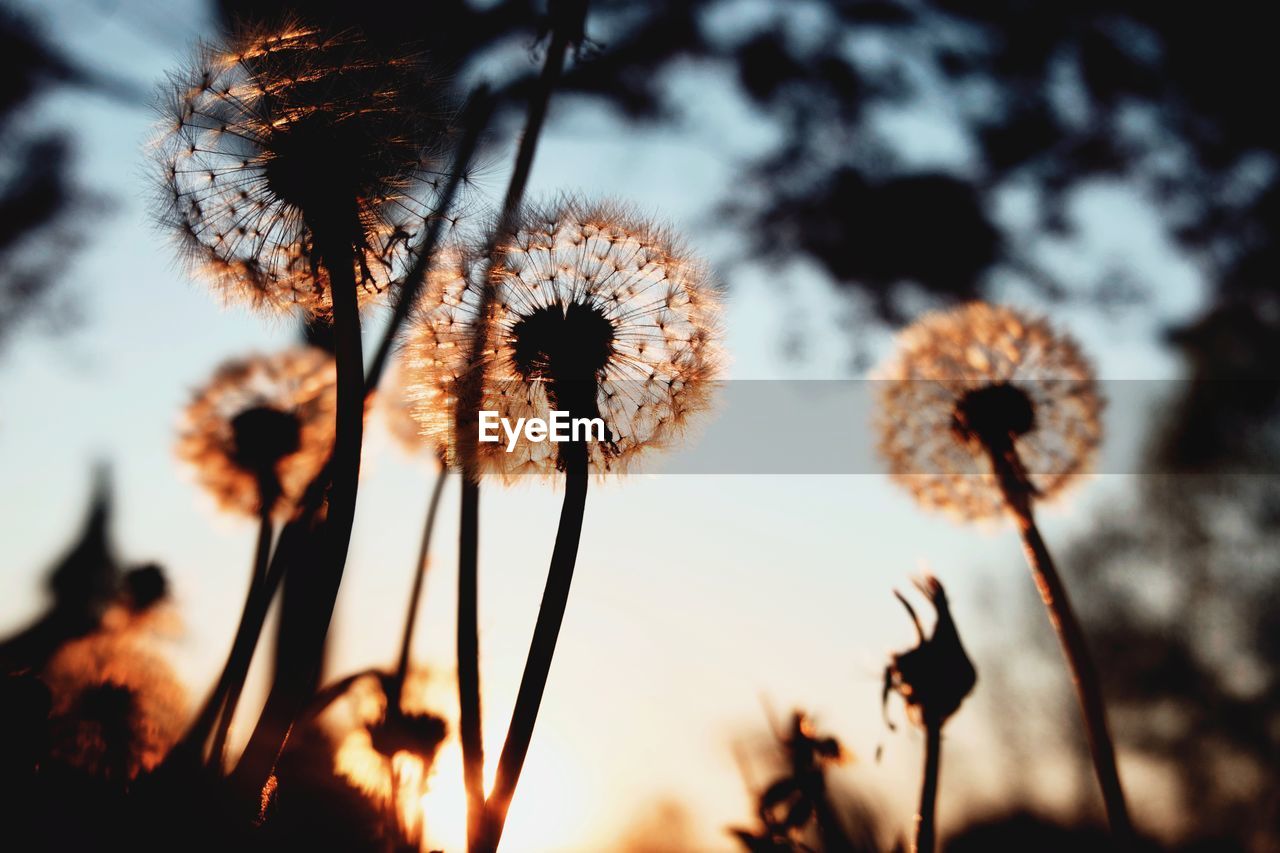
699, 602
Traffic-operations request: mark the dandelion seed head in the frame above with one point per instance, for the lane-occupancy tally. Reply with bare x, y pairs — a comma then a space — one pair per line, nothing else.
117, 708
272, 135
971, 378
594, 311
261, 429
396, 399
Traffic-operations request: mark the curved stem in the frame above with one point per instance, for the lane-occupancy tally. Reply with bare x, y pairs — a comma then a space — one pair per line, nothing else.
545, 634
1084, 676
327, 549
415, 595
926, 831
468, 646
197, 735
474, 119
241, 658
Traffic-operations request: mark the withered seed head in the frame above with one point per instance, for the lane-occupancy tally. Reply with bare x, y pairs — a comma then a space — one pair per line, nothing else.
934, 677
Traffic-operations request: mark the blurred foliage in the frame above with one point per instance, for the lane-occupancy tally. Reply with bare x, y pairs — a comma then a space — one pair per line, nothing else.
1040, 99
40, 200
798, 810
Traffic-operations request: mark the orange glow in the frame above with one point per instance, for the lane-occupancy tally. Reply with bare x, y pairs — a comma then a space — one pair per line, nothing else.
548, 804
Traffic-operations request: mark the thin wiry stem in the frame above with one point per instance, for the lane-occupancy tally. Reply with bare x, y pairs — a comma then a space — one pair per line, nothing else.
475, 117
237, 670
415, 595
926, 832
468, 645
1084, 676
542, 649
240, 655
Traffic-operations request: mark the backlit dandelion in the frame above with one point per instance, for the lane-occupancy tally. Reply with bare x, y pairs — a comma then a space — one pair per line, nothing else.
261, 429
594, 312
387, 751
117, 708
285, 152
584, 309
297, 165
982, 372
984, 411
257, 435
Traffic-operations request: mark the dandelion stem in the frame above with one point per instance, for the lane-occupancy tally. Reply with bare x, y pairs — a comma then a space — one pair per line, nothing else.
349, 434
468, 645
294, 683
926, 827
241, 658
476, 114
415, 595
468, 650
235, 667
541, 650
1084, 676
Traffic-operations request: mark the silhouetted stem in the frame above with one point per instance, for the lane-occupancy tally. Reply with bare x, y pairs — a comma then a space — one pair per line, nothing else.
468, 650
475, 118
926, 831
197, 735
468, 646
323, 576
415, 595
537, 114
1018, 495
545, 634
241, 658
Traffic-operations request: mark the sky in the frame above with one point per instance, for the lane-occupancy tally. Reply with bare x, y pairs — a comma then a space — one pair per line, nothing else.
699, 602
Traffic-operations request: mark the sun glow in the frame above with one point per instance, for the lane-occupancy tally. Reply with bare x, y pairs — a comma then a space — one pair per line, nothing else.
547, 812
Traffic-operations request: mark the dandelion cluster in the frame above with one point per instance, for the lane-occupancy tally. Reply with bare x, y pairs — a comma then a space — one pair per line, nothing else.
592, 311
966, 381
278, 147
262, 428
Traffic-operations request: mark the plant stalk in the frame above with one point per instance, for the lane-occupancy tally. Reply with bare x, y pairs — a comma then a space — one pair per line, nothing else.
1018, 494
926, 826
468, 651
468, 644
542, 649
289, 692
241, 658
475, 118
415, 595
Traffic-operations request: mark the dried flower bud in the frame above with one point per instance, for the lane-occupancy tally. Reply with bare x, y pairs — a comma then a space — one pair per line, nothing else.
936, 676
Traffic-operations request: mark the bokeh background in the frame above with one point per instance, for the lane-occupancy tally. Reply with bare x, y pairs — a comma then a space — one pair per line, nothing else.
844, 166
